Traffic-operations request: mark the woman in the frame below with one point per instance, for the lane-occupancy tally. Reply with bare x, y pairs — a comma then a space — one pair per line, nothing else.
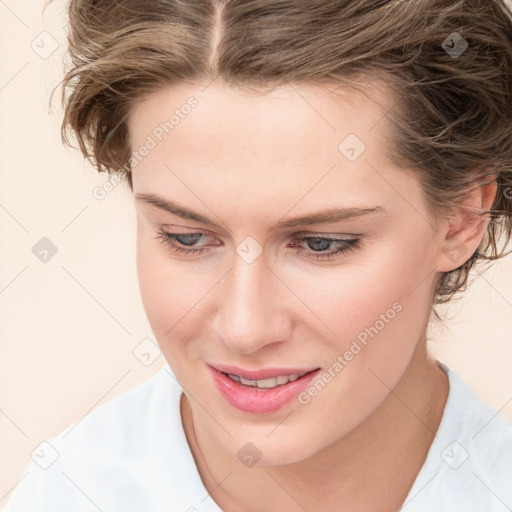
310, 179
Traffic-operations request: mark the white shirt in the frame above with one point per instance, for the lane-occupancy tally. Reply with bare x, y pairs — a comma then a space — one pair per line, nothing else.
131, 454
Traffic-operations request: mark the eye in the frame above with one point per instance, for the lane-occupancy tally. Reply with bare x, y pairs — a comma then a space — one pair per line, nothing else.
170, 240
182, 243
322, 242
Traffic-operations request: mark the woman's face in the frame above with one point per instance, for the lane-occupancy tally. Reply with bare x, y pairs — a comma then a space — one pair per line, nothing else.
237, 168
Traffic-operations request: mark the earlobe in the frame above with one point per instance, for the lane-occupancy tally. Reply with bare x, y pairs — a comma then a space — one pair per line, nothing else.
466, 227
453, 254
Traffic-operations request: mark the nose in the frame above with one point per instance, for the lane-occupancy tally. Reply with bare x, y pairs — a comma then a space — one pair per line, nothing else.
251, 312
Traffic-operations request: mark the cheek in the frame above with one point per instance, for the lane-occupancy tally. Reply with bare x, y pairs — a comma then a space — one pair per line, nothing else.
373, 311
172, 297
377, 324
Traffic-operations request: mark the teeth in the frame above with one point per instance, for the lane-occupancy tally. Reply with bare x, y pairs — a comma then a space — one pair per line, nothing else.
269, 383
280, 380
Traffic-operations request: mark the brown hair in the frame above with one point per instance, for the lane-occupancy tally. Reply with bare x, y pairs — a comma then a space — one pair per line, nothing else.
450, 115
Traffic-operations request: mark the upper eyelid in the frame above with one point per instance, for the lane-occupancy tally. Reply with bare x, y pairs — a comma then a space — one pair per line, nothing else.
305, 233
298, 236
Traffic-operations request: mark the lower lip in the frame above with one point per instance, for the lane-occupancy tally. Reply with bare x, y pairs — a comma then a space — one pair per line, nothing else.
256, 400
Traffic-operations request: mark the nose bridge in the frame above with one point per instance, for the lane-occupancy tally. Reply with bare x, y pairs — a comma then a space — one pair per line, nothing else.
249, 311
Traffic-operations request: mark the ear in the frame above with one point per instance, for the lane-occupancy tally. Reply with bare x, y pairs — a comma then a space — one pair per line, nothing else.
464, 229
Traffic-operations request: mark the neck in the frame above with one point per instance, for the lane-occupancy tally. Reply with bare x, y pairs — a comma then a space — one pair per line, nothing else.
375, 464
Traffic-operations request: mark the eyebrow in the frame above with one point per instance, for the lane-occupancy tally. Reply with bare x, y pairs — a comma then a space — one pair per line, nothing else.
325, 216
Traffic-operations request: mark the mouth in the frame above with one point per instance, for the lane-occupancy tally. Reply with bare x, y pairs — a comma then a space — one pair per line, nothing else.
261, 391
268, 383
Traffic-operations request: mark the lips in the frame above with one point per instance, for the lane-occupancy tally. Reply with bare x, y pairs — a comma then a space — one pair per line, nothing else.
254, 399
264, 373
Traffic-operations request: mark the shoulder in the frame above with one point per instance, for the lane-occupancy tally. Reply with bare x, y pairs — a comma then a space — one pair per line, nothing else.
485, 440
469, 464
126, 419
115, 443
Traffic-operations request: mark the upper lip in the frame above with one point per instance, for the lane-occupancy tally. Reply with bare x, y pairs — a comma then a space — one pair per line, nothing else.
263, 373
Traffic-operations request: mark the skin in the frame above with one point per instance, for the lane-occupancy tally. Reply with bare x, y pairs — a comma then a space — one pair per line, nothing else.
247, 161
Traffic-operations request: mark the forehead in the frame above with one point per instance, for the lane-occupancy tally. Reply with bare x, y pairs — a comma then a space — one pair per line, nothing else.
289, 119
281, 146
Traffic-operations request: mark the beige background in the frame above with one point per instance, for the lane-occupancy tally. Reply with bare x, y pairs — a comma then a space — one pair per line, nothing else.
69, 326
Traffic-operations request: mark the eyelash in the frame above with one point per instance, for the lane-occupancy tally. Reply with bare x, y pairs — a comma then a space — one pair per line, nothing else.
350, 244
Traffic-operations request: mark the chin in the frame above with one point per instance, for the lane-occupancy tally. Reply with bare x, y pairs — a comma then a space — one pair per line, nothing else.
273, 450
284, 457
